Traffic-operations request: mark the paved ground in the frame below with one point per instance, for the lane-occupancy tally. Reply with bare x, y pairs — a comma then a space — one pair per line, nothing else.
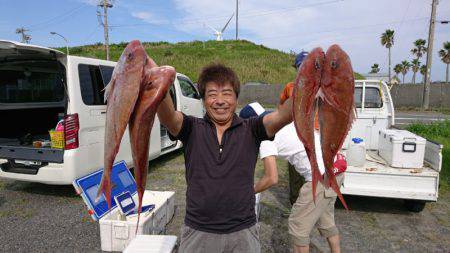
407, 117
41, 218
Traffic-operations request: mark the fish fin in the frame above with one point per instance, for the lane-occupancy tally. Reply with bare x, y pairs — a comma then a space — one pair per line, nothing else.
140, 196
334, 185
104, 187
316, 177
108, 89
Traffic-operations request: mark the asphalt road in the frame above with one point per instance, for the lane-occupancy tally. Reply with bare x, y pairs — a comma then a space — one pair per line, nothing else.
408, 117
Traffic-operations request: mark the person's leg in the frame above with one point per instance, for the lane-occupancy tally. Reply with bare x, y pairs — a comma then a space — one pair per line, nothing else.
295, 183
326, 224
243, 241
304, 215
198, 241
334, 243
301, 249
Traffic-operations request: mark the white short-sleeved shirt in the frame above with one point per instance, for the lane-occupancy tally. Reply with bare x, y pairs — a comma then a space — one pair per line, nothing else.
286, 145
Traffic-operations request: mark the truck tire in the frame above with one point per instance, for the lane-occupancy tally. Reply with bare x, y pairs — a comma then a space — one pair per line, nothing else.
415, 206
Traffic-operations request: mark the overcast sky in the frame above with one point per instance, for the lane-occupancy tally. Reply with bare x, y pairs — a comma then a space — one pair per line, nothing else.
286, 25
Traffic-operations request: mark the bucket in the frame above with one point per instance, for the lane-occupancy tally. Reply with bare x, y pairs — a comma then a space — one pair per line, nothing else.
356, 153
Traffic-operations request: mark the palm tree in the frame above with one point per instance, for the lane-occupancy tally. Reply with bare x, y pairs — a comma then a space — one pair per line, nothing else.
445, 57
415, 65
423, 70
418, 50
405, 68
397, 69
375, 68
387, 40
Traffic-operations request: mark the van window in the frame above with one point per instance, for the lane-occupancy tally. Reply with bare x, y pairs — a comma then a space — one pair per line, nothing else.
93, 80
25, 83
188, 89
106, 72
372, 100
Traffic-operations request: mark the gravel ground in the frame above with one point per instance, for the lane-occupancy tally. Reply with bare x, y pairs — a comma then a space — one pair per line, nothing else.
41, 218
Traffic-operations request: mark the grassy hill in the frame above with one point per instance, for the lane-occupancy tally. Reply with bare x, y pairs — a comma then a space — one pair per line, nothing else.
250, 61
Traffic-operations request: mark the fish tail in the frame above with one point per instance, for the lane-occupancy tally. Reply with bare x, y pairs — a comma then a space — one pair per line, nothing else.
105, 187
334, 185
316, 177
140, 195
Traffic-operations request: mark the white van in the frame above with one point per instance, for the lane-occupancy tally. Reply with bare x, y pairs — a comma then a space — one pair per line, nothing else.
40, 86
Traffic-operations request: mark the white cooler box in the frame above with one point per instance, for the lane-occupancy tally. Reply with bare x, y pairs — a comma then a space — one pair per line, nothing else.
115, 232
401, 148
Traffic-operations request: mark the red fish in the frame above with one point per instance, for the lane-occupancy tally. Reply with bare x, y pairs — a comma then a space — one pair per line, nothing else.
306, 87
121, 94
154, 86
336, 109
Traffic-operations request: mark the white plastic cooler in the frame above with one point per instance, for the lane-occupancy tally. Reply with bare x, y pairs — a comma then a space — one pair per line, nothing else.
401, 148
116, 230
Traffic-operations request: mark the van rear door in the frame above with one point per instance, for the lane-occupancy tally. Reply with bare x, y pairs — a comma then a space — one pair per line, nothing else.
32, 98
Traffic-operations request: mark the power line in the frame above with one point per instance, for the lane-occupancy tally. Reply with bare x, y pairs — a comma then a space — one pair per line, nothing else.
254, 13
341, 29
58, 18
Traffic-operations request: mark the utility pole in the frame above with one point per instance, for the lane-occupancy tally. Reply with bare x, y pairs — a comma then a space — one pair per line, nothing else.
105, 5
426, 87
25, 37
237, 19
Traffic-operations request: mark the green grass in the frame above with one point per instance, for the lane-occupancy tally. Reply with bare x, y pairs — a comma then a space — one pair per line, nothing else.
439, 132
252, 63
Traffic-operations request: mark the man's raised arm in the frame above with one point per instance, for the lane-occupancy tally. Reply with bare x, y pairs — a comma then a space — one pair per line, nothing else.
278, 119
171, 119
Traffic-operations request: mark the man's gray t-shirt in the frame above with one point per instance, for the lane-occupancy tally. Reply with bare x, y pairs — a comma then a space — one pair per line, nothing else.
220, 197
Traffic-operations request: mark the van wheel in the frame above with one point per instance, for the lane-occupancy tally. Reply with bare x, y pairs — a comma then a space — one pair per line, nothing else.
414, 205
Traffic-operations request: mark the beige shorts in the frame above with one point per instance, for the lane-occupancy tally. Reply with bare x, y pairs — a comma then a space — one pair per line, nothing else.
305, 214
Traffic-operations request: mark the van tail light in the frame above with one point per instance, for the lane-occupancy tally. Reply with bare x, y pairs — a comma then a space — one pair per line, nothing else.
71, 127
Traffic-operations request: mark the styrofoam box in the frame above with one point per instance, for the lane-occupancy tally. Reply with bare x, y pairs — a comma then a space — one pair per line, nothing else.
115, 234
169, 197
152, 244
401, 148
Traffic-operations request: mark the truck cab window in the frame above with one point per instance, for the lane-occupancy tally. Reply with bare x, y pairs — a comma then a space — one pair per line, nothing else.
188, 89
372, 99
92, 83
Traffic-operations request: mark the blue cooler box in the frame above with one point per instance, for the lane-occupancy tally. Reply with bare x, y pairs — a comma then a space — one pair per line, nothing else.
117, 229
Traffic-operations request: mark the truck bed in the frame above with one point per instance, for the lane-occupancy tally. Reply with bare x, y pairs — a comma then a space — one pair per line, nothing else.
377, 179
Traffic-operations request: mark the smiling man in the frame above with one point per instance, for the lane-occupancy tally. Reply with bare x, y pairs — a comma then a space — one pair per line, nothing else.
220, 152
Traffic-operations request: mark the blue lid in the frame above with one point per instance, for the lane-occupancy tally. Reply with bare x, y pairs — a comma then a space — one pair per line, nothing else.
87, 186
357, 140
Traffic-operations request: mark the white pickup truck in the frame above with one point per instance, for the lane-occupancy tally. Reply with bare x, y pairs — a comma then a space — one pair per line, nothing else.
39, 86
375, 112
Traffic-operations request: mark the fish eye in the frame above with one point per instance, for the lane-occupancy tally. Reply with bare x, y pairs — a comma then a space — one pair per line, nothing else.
130, 56
334, 64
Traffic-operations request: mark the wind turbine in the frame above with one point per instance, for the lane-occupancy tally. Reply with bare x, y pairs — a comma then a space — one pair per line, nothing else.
217, 33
